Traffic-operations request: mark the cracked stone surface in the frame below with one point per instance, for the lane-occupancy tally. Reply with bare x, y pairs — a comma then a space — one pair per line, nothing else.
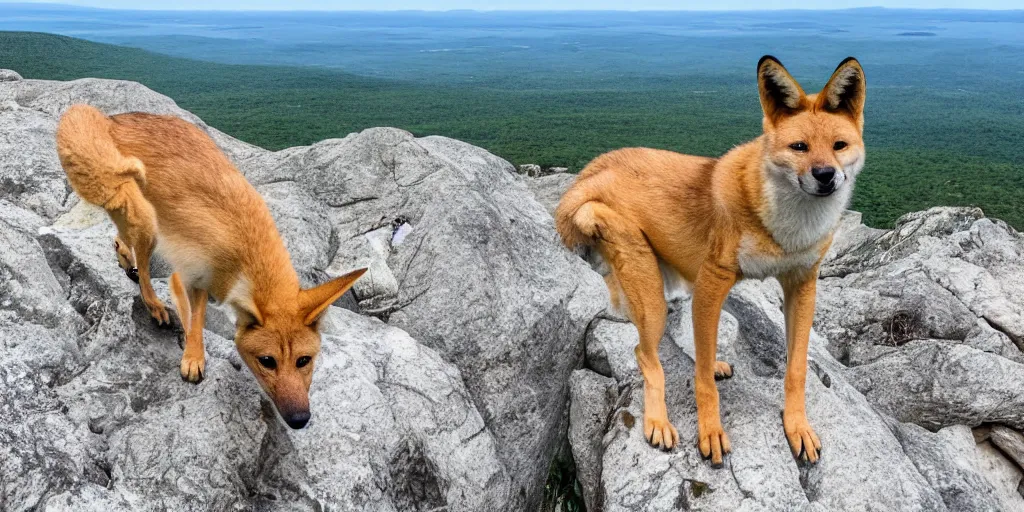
457, 377
453, 238
438, 396
95, 413
593, 397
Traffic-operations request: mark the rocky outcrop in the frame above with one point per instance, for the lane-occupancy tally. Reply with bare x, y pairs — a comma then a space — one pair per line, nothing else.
452, 240
536, 171
7, 75
914, 346
477, 347
439, 396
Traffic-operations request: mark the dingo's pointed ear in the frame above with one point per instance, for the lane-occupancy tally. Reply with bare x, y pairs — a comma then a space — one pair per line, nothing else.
314, 301
845, 91
240, 300
780, 93
246, 313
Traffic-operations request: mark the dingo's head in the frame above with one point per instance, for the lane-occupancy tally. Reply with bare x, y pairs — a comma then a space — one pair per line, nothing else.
813, 142
280, 342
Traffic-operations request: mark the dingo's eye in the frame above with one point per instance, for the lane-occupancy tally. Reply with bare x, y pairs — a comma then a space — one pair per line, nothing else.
839, 145
267, 362
303, 361
798, 146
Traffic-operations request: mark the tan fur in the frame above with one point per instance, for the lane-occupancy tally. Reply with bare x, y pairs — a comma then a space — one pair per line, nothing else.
168, 187
751, 213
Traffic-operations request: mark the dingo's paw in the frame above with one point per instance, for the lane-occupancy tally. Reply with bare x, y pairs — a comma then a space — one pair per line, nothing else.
723, 370
126, 260
712, 441
660, 432
192, 368
158, 311
803, 441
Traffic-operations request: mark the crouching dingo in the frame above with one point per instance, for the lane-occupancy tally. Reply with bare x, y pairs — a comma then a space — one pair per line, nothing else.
767, 208
167, 186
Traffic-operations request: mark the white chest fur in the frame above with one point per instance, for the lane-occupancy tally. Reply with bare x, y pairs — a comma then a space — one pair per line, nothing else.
188, 260
756, 263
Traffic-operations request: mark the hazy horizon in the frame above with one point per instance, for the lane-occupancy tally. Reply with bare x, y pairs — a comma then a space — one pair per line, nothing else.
522, 5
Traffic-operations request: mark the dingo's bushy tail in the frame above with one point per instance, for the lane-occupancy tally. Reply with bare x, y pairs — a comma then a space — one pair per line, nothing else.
95, 167
578, 217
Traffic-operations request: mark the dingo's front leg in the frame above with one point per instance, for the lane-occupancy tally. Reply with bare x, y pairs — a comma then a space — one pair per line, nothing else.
191, 305
799, 309
709, 294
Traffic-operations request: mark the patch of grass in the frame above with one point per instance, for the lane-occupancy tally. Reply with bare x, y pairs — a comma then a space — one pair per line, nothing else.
562, 491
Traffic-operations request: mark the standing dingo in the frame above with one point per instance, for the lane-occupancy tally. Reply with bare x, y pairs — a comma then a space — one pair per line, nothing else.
767, 208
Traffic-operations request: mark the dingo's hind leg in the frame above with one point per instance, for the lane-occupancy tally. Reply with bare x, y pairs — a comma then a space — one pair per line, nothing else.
635, 269
136, 227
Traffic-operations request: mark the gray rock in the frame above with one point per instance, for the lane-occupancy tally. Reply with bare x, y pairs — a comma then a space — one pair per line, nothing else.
305, 228
975, 259
865, 316
377, 290
95, 416
530, 170
31, 176
9, 75
29, 291
1010, 441
593, 398
936, 384
452, 238
1003, 474
610, 345
987, 339
947, 459
549, 189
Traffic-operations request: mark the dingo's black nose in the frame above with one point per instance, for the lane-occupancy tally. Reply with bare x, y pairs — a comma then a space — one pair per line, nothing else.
297, 420
133, 274
824, 175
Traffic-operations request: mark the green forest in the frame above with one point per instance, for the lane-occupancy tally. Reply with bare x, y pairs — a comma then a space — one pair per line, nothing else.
929, 144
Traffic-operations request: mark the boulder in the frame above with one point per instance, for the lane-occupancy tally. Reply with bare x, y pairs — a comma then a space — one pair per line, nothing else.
9, 75
948, 459
458, 379
96, 417
453, 239
458, 401
593, 398
530, 170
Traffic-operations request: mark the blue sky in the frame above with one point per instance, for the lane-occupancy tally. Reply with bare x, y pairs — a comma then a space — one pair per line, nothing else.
532, 4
